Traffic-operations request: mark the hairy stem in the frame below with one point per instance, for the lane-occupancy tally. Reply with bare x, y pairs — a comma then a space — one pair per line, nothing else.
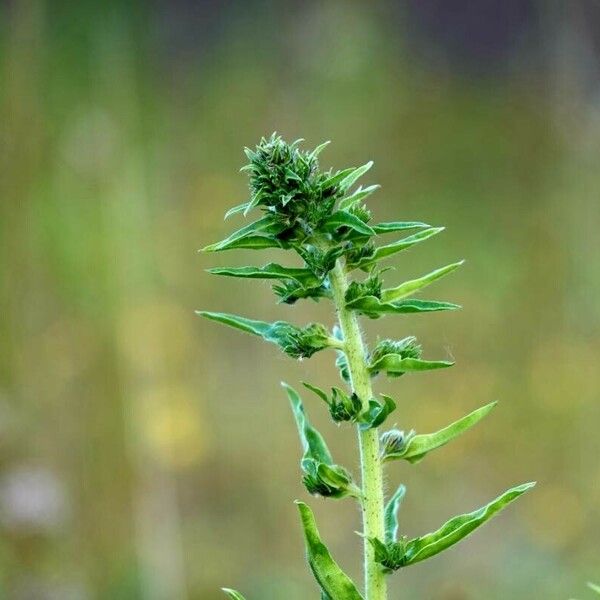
371, 468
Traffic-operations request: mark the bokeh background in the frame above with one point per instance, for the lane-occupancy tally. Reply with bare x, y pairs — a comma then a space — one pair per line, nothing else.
145, 454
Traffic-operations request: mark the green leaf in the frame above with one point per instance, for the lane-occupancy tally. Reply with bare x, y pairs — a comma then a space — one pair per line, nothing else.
377, 413
264, 227
237, 209
269, 271
321, 476
382, 252
335, 179
350, 179
341, 218
297, 342
394, 364
342, 406
313, 444
319, 149
420, 445
233, 594
459, 527
410, 287
359, 195
252, 242
374, 308
330, 577
391, 514
594, 587
318, 391
391, 226
290, 291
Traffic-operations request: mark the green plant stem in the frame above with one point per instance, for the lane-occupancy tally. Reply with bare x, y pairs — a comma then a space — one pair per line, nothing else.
371, 467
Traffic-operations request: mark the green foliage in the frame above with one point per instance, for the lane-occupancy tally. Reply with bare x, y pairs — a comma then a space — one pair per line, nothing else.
416, 447
233, 594
342, 406
390, 514
334, 583
318, 215
415, 285
321, 476
396, 554
396, 357
297, 342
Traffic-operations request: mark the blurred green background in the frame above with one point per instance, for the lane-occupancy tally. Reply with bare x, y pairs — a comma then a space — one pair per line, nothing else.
145, 454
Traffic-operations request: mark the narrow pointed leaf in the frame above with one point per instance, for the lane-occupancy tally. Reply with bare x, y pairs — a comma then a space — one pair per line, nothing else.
391, 226
261, 328
358, 196
295, 341
251, 242
594, 587
263, 227
269, 271
319, 149
237, 209
391, 514
353, 177
410, 287
252, 204
459, 527
318, 391
395, 364
342, 218
233, 594
313, 444
385, 251
374, 308
334, 583
422, 444
377, 413
336, 178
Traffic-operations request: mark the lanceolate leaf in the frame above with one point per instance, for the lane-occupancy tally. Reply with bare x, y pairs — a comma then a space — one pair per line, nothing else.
392, 226
350, 179
317, 390
594, 587
233, 594
384, 251
375, 308
336, 178
459, 527
237, 209
313, 444
334, 583
321, 476
252, 242
391, 514
319, 149
410, 287
297, 342
341, 218
359, 195
269, 271
377, 413
264, 227
394, 364
420, 445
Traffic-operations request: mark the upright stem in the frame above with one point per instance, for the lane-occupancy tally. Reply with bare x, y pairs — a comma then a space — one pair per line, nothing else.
371, 468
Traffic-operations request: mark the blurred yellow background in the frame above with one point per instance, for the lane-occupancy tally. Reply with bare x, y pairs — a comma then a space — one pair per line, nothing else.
146, 454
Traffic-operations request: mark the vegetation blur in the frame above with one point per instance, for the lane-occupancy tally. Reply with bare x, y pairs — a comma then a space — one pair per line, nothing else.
130, 465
